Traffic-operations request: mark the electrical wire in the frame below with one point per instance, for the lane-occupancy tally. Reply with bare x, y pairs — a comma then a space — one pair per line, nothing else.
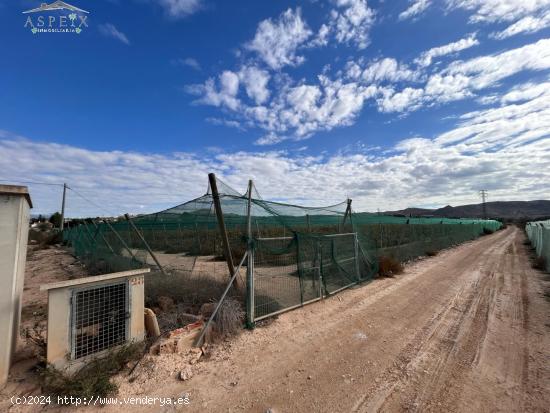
91, 202
30, 182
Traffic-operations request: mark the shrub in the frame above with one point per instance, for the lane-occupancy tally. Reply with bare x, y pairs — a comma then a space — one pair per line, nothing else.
182, 287
487, 231
388, 266
229, 319
94, 379
539, 263
55, 220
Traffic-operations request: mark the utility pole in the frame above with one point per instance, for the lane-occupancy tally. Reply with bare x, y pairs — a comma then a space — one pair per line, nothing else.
484, 194
63, 207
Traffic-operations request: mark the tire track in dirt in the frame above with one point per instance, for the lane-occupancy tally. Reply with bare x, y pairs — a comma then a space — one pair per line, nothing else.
435, 352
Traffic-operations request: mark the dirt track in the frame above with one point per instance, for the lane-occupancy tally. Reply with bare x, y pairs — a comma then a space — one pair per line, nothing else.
465, 331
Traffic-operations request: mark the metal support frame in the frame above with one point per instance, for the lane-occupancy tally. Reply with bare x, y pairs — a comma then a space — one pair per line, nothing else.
144, 243
221, 223
250, 304
348, 212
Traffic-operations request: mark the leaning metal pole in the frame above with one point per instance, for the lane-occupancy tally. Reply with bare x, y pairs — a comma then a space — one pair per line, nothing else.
199, 340
250, 264
147, 247
221, 223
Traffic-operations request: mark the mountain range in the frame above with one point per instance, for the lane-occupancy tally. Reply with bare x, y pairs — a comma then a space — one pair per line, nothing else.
509, 210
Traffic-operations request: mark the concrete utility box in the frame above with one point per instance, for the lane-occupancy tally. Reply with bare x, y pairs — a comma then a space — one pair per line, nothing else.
89, 316
15, 204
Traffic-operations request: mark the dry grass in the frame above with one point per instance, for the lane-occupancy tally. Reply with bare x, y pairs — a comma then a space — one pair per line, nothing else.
388, 266
184, 288
94, 379
539, 263
230, 318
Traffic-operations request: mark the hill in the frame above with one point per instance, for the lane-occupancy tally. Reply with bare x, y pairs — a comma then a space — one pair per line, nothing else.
499, 209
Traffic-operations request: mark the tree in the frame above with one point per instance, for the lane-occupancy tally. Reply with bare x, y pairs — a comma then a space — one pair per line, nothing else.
55, 219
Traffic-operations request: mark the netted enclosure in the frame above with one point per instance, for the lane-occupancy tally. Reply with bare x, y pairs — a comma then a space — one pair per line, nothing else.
539, 235
294, 254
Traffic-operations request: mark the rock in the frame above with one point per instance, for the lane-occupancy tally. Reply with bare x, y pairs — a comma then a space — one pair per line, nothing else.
186, 374
196, 354
166, 303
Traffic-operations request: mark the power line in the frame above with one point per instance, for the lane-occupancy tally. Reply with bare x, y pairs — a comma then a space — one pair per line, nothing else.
30, 182
91, 202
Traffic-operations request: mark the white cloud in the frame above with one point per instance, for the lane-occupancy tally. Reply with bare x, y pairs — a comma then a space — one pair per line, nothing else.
276, 41
351, 22
407, 100
109, 30
504, 149
462, 79
487, 70
180, 8
499, 10
526, 91
387, 69
221, 93
189, 62
299, 111
427, 57
417, 7
255, 82
529, 24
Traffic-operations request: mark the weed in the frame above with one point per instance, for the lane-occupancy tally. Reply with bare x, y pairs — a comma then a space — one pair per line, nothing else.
539, 263
94, 379
230, 318
36, 337
182, 287
388, 266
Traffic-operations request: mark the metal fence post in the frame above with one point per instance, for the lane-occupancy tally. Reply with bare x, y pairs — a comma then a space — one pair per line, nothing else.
356, 253
250, 263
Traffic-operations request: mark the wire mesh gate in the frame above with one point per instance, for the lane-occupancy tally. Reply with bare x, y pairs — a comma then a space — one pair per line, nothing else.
288, 272
99, 318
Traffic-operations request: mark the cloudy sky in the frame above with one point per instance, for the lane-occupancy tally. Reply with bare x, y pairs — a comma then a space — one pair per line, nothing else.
392, 103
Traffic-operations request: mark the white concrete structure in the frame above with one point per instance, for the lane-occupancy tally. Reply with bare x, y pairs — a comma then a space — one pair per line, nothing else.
113, 315
15, 204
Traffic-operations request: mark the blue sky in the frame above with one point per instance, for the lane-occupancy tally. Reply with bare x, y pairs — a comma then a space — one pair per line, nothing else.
392, 103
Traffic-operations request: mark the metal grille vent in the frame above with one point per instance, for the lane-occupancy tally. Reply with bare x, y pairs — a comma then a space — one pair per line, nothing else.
99, 317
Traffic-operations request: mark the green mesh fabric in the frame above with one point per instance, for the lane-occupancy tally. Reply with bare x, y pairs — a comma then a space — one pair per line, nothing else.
297, 254
539, 235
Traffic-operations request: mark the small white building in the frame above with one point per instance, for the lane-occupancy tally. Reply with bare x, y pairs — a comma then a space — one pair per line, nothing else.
15, 204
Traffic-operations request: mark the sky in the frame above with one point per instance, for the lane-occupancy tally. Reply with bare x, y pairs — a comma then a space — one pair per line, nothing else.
394, 104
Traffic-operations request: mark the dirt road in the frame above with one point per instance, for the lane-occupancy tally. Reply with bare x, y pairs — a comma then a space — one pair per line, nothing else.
465, 331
